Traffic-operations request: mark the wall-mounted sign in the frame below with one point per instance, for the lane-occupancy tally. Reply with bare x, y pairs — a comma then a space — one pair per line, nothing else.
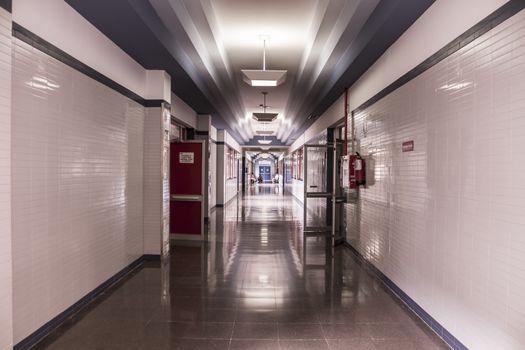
186, 157
408, 146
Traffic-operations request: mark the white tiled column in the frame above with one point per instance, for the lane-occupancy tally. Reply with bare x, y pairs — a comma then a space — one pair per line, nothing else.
156, 180
6, 291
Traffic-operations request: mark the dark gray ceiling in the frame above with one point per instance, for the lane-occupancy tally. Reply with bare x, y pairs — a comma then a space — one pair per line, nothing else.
135, 26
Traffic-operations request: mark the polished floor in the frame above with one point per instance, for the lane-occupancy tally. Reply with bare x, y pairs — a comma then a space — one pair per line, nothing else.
256, 284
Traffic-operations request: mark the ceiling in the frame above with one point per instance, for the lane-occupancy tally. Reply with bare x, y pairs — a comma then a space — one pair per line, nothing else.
325, 45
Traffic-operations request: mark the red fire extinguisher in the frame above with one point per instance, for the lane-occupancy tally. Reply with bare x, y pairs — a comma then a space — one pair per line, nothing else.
357, 171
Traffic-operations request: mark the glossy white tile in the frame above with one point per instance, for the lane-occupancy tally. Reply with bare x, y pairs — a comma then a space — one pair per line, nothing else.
6, 304
445, 221
77, 193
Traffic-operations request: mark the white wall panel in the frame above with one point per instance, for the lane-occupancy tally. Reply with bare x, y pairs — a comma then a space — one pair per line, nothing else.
444, 21
6, 313
76, 193
445, 222
182, 112
59, 24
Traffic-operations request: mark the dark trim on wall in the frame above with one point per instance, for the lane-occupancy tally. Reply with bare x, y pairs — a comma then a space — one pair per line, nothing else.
6, 5
452, 341
503, 13
46, 47
488, 23
151, 257
202, 133
154, 103
58, 320
220, 143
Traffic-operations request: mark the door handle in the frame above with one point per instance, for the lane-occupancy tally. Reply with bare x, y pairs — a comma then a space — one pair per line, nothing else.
186, 197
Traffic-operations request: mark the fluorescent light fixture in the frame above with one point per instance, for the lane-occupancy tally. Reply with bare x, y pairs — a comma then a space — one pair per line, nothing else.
263, 77
255, 77
263, 82
264, 142
265, 117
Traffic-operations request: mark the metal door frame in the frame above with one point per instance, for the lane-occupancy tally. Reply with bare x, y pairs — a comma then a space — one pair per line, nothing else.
319, 230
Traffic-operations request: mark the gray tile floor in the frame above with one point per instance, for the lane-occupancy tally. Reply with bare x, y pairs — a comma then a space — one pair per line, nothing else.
256, 284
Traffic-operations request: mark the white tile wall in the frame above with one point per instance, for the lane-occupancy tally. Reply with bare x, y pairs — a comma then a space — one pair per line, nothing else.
230, 189
296, 188
76, 191
156, 180
6, 305
152, 181
446, 222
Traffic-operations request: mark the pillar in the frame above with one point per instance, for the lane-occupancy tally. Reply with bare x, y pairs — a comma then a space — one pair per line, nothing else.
156, 164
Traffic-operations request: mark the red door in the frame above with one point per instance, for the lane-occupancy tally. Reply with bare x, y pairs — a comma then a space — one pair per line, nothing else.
186, 188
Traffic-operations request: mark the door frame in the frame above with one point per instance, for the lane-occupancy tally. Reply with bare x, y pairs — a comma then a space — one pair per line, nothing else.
191, 237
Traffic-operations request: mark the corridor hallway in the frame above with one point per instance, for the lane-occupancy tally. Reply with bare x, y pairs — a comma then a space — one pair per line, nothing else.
248, 287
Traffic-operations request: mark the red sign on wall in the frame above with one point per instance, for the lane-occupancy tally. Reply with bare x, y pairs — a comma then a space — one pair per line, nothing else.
408, 146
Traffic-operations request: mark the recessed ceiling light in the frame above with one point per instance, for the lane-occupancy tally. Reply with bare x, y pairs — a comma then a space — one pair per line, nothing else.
264, 142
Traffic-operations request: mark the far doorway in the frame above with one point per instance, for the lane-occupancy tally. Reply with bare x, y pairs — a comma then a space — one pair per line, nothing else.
265, 173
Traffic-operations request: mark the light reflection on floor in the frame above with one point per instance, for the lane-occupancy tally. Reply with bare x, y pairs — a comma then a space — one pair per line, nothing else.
255, 284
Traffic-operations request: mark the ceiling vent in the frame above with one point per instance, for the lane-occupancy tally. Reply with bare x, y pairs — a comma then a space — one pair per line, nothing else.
265, 117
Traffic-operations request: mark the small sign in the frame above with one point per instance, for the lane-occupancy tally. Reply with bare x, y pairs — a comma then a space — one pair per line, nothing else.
408, 146
186, 157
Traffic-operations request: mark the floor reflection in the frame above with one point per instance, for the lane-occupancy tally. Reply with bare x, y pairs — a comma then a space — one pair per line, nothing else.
256, 283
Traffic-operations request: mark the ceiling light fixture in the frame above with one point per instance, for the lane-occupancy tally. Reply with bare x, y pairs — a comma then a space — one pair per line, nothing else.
264, 141
257, 77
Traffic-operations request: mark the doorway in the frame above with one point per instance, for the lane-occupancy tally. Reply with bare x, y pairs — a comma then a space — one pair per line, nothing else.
265, 173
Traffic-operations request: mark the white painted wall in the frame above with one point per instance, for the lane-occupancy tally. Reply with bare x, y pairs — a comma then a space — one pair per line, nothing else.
444, 21
76, 190
230, 141
182, 112
158, 85
58, 23
6, 291
333, 115
446, 222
